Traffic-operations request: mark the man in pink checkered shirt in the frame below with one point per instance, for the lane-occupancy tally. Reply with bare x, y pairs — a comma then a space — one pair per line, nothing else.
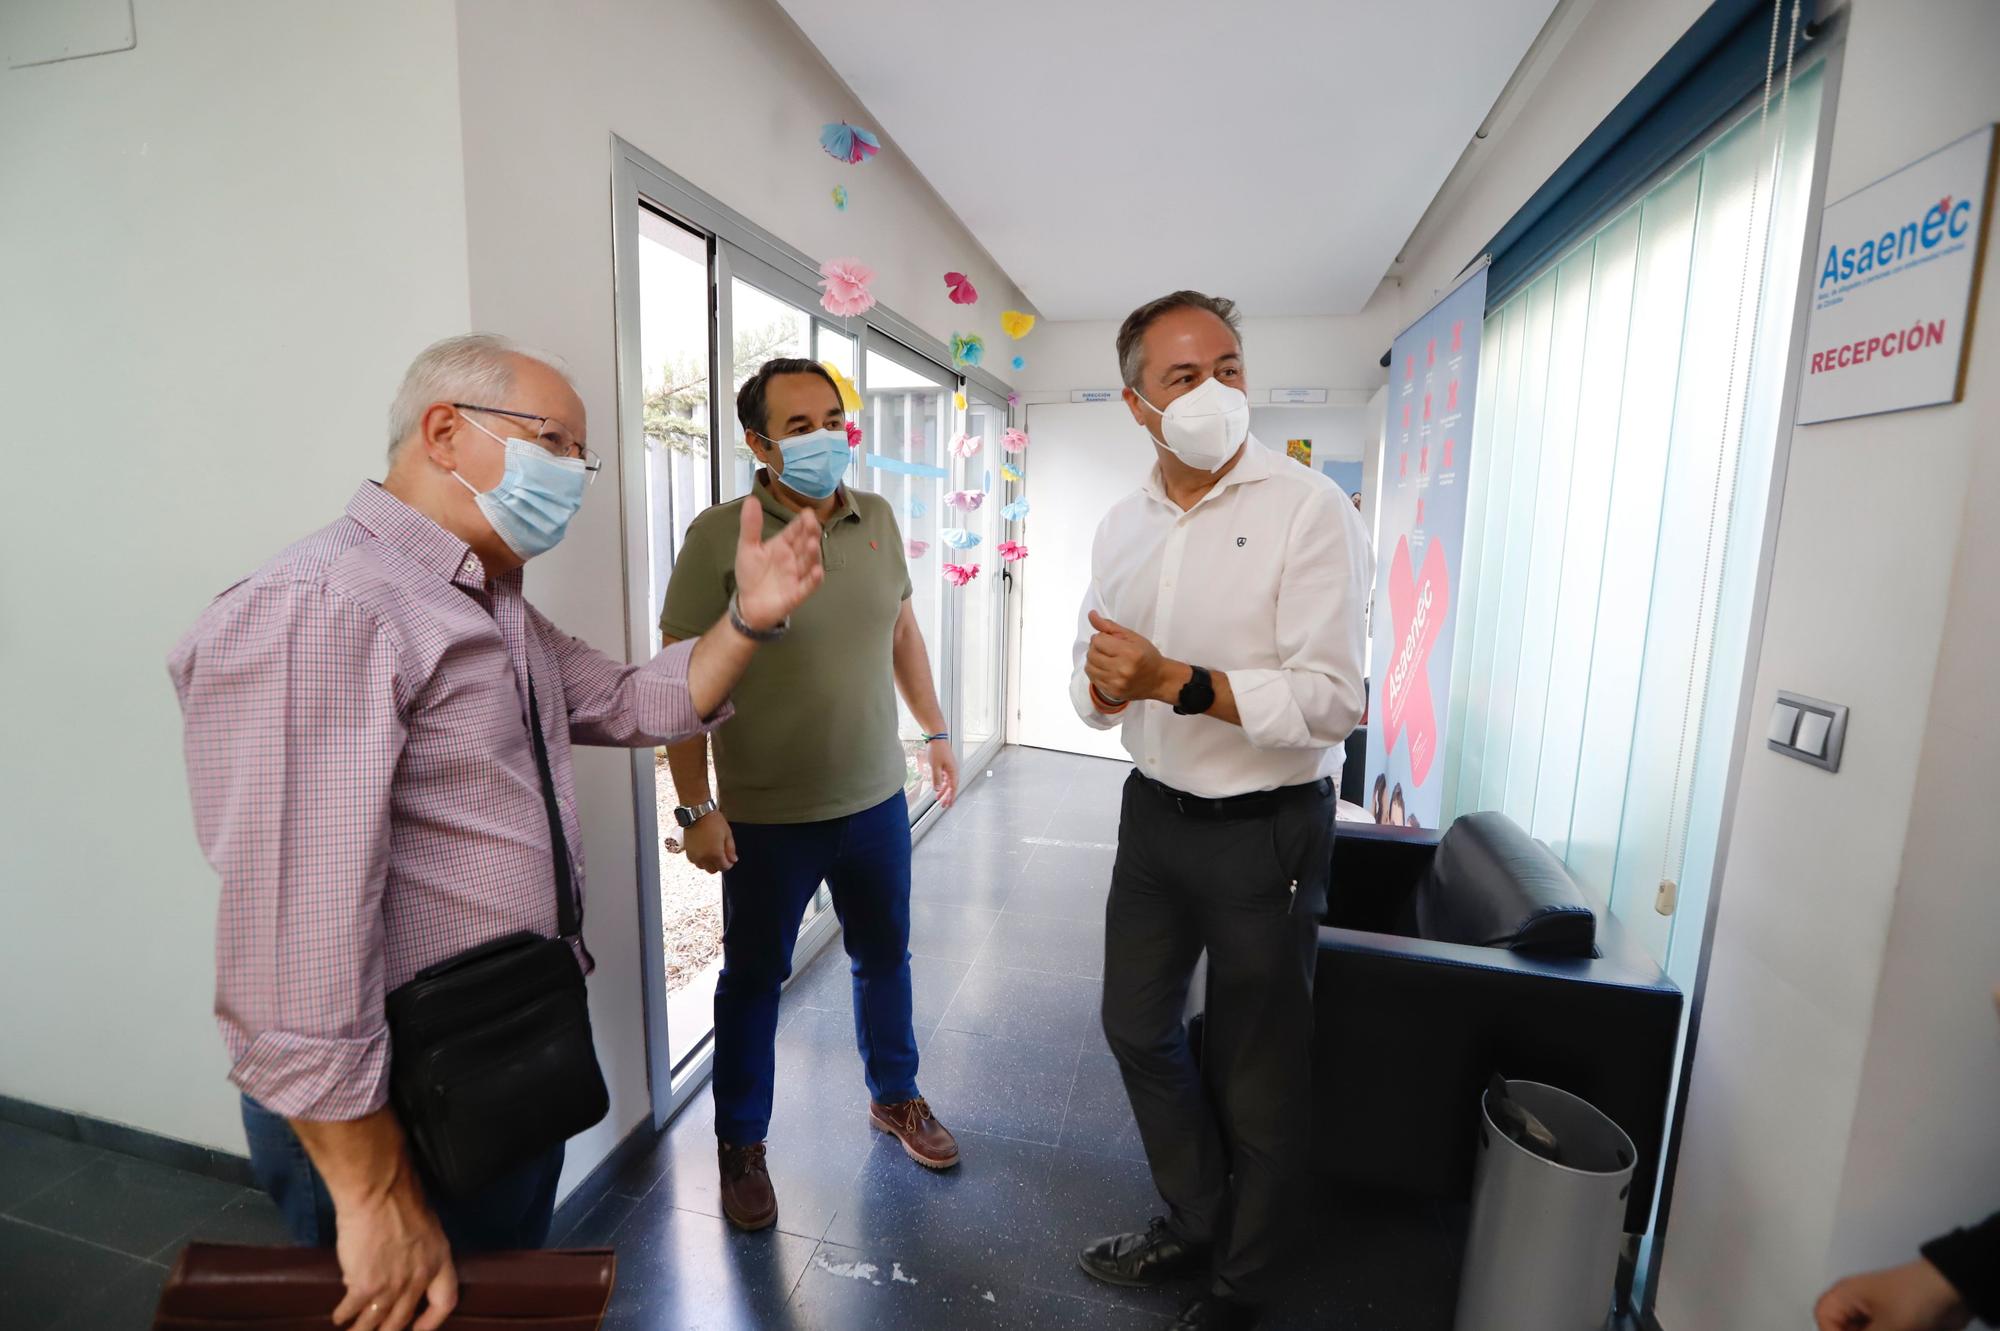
363, 779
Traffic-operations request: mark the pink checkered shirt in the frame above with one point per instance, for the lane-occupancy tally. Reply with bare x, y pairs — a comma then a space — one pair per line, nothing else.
363, 781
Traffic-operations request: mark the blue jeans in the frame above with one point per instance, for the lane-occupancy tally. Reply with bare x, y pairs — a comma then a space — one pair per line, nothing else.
864, 859
507, 1215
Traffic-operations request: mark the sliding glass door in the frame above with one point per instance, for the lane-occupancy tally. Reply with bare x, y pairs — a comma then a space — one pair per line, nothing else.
703, 300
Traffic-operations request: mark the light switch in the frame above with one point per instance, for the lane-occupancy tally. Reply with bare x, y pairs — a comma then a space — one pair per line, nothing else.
1811, 730
1784, 721
1812, 733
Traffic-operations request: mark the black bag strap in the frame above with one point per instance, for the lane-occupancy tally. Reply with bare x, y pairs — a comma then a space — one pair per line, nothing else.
567, 923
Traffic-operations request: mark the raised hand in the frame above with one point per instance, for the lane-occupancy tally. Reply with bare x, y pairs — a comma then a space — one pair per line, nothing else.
774, 577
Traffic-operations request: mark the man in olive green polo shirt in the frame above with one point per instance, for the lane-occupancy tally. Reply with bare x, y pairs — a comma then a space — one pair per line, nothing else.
811, 770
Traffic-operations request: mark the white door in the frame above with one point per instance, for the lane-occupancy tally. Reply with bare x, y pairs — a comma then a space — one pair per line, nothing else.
1083, 456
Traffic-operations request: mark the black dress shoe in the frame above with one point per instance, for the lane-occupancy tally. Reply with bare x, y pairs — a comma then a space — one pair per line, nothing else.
1143, 1259
1212, 1312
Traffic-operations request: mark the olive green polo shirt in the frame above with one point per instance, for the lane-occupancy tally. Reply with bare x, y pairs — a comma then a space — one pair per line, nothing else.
814, 734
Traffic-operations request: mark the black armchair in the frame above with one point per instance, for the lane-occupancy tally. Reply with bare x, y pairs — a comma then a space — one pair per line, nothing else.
1445, 959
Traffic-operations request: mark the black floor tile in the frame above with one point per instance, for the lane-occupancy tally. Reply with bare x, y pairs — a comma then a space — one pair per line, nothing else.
998, 818
1057, 1010
1100, 1114
828, 985
1060, 899
1008, 1088
1086, 821
251, 1217
129, 1301
46, 1276
846, 1289
1078, 867
975, 869
952, 933
129, 1205
815, 1152
1098, 1195
1040, 943
31, 1162
681, 1271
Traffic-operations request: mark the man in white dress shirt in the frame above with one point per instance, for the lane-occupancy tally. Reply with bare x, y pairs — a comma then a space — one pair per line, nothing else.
1222, 631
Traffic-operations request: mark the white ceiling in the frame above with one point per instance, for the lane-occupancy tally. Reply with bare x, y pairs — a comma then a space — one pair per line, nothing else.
1104, 151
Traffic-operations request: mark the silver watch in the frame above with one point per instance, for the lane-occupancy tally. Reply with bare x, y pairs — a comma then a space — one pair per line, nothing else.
687, 815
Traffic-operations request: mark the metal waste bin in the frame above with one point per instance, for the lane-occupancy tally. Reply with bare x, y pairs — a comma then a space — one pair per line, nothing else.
1542, 1250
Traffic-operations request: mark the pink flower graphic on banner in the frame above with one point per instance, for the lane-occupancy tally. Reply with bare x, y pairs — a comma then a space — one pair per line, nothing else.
1446, 464
960, 574
1457, 334
1012, 551
845, 282
1418, 606
1013, 440
853, 435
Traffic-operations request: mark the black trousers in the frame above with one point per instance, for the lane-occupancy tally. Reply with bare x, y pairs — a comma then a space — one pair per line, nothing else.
1227, 1142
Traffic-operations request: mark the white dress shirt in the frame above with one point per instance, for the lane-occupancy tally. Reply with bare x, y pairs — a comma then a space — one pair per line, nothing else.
1267, 580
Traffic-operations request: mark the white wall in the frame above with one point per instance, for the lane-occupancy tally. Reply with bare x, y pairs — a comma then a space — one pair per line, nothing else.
1339, 353
1841, 1107
727, 94
219, 251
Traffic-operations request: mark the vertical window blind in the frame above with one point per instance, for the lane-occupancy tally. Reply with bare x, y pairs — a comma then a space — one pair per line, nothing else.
1616, 512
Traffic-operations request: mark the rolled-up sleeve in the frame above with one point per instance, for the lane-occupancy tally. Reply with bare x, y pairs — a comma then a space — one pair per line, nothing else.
1079, 683
1314, 698
293, 731
618, 705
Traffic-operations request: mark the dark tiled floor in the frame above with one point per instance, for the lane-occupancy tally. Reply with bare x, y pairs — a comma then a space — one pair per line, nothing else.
1008, 941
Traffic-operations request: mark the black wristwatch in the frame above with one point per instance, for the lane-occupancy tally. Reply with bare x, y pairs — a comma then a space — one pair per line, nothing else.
1198, 694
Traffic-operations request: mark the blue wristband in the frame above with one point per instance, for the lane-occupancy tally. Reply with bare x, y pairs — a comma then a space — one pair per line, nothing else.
932, 739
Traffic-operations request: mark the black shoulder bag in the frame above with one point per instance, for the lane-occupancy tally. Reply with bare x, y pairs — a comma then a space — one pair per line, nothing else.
491, 1061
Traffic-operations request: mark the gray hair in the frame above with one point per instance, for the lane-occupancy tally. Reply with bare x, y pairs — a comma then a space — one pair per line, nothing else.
473, 367
1132, 333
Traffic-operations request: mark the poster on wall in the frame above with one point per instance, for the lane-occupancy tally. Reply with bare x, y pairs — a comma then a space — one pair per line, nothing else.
1426, 450
1892, 289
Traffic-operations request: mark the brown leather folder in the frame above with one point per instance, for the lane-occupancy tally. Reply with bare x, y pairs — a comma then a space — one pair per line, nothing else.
228, 1287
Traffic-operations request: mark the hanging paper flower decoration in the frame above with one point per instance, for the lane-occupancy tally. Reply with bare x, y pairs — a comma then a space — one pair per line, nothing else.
986, 483
848, 143
918, 507
1013, 399
960, 288
1015, 511
966, 445
958, 400
845, 282
916, 549
840, 197
1019, 362
1012, 551
850, 396
1013, 440
966, 348
958, 575
853, 435
965, 500
1010, 473
958, 538
1016, 324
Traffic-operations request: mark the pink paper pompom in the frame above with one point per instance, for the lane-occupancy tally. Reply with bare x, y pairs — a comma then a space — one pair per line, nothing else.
1013, 440
1012, 551
960, 574
845, 282
853, 435
966, 445
916, 549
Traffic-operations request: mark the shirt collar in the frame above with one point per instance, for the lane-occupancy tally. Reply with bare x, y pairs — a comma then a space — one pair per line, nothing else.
428, 545
843, 509
1254, 465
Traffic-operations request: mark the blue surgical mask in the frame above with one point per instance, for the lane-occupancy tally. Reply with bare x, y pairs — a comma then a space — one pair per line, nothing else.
537, 496
814, 463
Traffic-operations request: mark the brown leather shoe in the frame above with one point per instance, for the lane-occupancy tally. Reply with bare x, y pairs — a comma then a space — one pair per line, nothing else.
924, 1139
747, 1196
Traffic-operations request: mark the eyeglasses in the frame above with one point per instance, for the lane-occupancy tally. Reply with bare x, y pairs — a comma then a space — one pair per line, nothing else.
550, 433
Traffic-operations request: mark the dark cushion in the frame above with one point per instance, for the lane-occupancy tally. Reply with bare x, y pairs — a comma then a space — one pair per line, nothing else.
1492, 885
